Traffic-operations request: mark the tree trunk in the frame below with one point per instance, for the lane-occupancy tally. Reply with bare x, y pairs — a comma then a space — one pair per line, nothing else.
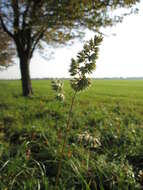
25, 75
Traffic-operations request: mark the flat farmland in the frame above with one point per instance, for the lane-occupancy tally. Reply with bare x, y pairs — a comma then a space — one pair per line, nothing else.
104, 146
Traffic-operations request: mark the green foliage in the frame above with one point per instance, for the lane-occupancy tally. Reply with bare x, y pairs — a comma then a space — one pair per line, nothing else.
80, 68
84, 64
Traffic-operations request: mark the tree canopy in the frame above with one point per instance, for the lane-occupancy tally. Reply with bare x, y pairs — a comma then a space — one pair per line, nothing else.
54, 20
28, 22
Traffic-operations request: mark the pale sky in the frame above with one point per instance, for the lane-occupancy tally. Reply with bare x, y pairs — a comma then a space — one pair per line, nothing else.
120, 55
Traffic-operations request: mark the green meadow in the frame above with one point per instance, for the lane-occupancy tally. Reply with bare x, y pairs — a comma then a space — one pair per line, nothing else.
104, 147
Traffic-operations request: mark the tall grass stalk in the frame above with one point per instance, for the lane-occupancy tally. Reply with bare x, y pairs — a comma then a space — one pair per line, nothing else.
68, 126
80, 69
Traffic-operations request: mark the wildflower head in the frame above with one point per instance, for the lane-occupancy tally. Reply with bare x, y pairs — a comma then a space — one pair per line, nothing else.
85, 64
57, 86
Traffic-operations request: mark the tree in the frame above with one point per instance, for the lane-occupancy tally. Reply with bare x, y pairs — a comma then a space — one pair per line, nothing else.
28, 22
6, 50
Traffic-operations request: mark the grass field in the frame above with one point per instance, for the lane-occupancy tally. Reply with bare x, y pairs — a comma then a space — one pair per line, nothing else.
32, 130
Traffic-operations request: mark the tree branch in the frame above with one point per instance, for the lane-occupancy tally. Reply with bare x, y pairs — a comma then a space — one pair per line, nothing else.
5, 28
25, 14
35, 43
41, 34
16, 14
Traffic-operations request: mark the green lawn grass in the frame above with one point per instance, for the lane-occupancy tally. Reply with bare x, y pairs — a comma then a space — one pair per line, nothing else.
32, 130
